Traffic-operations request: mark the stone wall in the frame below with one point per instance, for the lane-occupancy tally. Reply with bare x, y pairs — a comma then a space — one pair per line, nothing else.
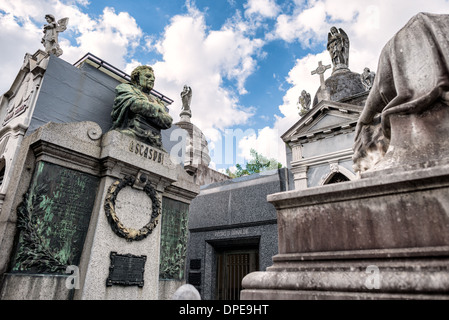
230, 215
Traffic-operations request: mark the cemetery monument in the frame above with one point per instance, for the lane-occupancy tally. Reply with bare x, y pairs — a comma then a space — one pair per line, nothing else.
92, 204
384, 236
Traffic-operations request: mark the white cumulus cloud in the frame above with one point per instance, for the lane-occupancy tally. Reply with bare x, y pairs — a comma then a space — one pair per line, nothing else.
201, 58
263, 8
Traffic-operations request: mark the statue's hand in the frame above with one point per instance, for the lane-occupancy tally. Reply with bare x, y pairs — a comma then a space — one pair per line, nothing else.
156, 113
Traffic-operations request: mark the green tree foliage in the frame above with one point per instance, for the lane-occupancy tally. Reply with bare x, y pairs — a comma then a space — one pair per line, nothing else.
257, 164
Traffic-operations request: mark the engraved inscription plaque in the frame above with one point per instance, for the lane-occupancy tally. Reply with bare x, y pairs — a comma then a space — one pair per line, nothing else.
126, 270
54, 219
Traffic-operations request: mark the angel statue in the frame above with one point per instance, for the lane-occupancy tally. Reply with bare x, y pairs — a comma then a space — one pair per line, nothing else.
367, 78
338, 47
186, 96
51, 32
305, 99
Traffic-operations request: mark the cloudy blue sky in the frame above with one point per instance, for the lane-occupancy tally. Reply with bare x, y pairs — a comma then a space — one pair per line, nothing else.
246, 60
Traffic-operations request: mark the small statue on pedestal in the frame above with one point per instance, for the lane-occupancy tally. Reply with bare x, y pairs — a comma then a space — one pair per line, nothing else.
51, 32
367, 78
304, 100
186, 97
338, 47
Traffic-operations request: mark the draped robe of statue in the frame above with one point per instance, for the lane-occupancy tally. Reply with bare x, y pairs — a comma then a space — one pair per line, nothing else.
406, 116
139, 115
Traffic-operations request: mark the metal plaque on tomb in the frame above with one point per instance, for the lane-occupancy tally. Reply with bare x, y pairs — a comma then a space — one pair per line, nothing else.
173, 239
195, 279
195, 264
126, 270
53, 219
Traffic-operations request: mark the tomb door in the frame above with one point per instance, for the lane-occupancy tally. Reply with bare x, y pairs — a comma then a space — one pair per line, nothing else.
232, 267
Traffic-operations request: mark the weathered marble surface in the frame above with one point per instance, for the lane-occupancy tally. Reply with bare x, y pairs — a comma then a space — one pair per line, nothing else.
395, 220
338, 47
186, 98
329, 236
411, 95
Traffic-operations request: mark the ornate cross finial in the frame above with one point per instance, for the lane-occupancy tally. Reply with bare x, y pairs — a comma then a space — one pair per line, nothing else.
320, 71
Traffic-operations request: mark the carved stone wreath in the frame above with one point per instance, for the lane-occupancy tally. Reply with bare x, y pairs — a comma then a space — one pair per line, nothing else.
117, 226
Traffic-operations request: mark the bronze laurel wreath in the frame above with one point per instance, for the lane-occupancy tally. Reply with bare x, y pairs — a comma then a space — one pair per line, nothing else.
117, 226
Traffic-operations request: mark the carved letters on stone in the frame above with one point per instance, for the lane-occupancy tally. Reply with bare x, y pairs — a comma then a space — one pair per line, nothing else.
146, 152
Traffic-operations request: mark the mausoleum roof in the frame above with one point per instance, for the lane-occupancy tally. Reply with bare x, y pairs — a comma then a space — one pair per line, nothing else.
341, 85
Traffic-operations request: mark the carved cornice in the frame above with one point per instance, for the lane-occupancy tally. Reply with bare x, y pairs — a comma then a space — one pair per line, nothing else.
300, 131
323, 159
49, 152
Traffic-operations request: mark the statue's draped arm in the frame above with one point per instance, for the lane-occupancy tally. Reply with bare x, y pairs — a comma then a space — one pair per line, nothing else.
412, 75
393, 91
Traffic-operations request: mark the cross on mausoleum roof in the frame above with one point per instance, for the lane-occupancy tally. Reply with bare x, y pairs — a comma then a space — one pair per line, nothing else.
320, 71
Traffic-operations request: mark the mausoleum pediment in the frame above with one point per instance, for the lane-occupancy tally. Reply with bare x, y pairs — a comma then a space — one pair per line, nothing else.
327, 118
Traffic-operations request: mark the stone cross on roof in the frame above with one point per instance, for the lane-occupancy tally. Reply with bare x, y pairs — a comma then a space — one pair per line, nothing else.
320, 71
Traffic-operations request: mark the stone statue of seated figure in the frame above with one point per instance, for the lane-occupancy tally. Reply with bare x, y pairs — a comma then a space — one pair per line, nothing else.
138, 114
405, 122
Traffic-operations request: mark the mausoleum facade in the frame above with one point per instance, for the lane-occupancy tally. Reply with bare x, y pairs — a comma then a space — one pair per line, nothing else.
57, 146
319, 145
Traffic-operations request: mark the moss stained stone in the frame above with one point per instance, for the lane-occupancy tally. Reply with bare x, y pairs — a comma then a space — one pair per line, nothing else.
53, 219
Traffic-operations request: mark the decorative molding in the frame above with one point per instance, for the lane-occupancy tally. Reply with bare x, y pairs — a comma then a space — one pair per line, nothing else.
299, 130
326, 158
174, 238
35, 252
334, 169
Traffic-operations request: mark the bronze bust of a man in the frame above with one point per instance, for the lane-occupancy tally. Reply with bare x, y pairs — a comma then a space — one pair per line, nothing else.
136, 112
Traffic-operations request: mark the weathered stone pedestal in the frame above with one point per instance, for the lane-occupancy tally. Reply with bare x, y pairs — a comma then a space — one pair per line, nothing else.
92, 203
383, 237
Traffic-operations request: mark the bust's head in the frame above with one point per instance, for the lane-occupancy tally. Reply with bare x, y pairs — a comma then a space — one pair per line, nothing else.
143, 77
